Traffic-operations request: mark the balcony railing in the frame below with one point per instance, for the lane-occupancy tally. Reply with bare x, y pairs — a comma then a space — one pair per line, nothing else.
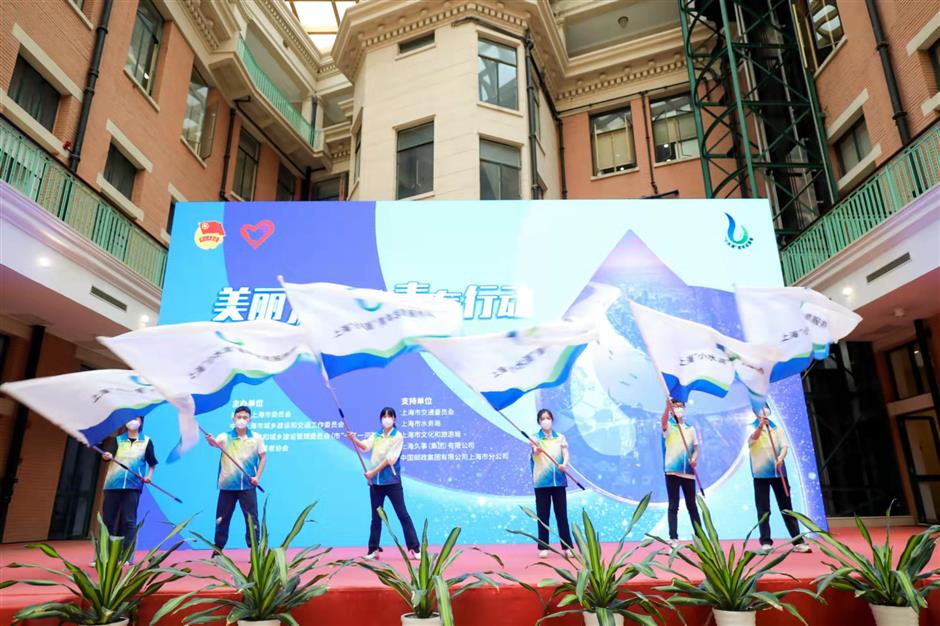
274, 95
893, 187
45, 181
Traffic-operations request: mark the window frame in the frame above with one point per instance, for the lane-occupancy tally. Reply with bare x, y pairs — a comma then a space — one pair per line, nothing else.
416, 43
280, 188
318, 185
27, 78
933, 52
416, 148
145, 76
242, 155
852, 134
921, 386
482, 59
199, 126
674, 146
516, 168
114, 153
627, 108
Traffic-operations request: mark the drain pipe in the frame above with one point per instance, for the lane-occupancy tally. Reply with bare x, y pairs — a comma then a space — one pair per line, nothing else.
228, 152
644, 98
101, 32
8, 483
530, 99
881, 44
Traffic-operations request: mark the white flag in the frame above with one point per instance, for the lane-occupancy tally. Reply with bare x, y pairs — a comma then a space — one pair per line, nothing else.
800, 321
206, 360
696, 357
358, 328
92, 405
505, 366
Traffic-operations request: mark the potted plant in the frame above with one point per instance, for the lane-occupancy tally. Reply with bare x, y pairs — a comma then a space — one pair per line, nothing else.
112, 595
266, 593
896, 591
423, 586
597, 584
730, 577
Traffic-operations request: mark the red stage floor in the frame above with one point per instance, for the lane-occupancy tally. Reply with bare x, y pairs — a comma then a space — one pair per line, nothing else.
356, 599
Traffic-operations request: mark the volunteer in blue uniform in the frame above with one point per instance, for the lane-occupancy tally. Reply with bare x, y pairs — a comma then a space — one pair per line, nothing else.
768, 448
679, 461
246, 447
121, 487
386, 445
550, 482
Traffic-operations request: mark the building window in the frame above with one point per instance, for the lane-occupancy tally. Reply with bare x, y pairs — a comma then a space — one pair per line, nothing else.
500, 166
34, 94
120, 172
145, 44
416, 43
907, 371
853, 146
286, 184
357, 154
415, 161
824, 28
612, 138
673, 129
246, 166
497, 73
934, 53
170, 216
195, 123
327, 189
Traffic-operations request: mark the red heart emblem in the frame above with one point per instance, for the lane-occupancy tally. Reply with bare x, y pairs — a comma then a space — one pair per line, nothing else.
257, 234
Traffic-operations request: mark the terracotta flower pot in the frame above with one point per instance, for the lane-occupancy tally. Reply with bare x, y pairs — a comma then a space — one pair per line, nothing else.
264, 622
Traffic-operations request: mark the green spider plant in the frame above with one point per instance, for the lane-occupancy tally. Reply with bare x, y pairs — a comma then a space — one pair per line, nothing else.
424, 587
730, 577
113, 593
273, 585
597, 584
879, 579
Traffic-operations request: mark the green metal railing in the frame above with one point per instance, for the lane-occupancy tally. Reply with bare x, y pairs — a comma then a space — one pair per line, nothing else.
894, 186
45, 181
274, 95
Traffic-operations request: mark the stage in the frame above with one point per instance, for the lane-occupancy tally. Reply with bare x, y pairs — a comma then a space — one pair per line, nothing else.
356, 599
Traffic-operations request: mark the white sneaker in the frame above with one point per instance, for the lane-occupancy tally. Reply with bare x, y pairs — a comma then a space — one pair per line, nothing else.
673, 543
93, 564
569, 554
414, 556
802, 547
766, 548
543, 554
372, 555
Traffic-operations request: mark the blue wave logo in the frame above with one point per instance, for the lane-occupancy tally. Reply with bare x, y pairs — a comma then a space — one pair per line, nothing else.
236, 342
137, 380
735, 240
366, 307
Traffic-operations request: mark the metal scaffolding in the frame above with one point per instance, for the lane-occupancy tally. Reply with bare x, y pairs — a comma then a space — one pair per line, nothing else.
759, 126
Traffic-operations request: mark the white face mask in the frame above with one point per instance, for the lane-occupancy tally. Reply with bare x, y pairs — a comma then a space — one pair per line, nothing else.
388, 422
546, 425
678, 411
241, 423
133, 425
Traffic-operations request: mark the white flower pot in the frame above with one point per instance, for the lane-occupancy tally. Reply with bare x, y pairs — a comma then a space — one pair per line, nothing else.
264, 622
894, 615
409, 619
735, 618
590, 619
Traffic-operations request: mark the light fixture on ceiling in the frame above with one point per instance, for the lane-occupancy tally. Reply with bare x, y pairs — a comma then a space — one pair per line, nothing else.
144, 319
623, 20
847, 291
44, 261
